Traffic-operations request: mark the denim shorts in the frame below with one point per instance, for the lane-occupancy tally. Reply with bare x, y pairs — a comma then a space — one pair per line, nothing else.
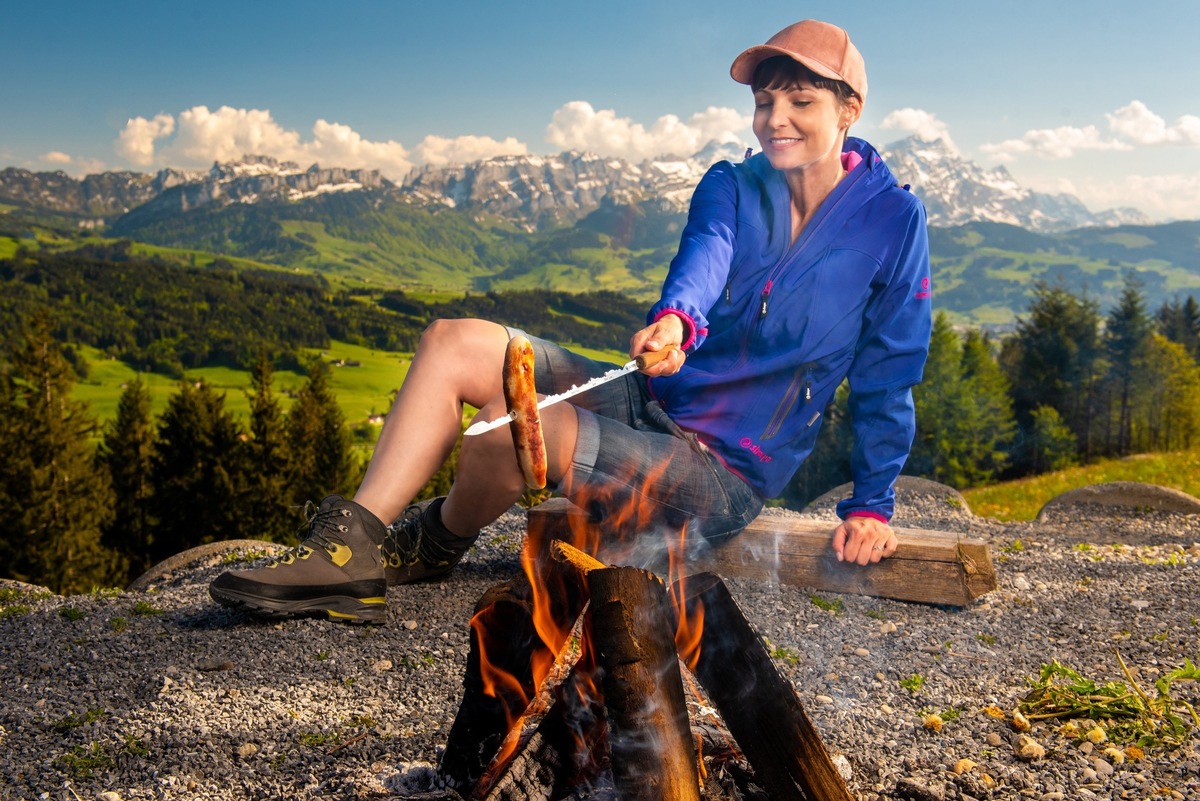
634, 470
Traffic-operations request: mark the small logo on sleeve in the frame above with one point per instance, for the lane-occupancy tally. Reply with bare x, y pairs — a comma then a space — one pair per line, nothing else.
923, 292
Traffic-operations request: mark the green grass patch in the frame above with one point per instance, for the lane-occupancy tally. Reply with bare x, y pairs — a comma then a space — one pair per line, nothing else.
83, 762
836, 606
143, 608
1023, 499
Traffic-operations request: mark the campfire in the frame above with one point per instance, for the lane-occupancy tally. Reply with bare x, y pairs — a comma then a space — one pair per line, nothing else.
579, 676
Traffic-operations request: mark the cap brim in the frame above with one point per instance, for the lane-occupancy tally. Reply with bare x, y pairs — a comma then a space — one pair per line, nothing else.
744, 65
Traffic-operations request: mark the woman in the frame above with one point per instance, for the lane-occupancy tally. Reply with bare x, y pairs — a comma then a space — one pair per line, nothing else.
798, 268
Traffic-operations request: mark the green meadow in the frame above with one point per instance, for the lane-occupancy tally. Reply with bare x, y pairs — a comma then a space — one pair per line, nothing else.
362, 391
1023, 498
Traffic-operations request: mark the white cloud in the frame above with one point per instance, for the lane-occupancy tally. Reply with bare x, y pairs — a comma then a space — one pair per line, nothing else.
200, 136
57, 157
1132, 126
578, 126
921, 124
1161, 197
438, 151
1053, 143
137, 138
1142, 126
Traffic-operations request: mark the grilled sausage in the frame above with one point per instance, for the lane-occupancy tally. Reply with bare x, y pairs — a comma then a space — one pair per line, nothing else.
520, 397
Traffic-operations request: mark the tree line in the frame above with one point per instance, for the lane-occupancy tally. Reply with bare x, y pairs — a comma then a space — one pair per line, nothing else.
87, 515
1069, 386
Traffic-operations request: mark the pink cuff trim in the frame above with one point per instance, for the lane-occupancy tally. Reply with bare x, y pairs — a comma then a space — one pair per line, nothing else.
865, 513
688, 323
850, 160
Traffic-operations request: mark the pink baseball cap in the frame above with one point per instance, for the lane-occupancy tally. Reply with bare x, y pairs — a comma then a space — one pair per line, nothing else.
823, 48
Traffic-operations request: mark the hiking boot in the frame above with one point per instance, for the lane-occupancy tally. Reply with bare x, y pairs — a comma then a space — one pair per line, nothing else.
419, 548
338, 570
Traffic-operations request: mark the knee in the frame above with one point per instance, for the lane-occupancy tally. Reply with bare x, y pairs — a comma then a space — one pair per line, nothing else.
462, 336
441, 334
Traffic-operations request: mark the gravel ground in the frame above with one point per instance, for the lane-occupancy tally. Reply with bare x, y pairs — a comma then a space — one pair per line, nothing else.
160, 694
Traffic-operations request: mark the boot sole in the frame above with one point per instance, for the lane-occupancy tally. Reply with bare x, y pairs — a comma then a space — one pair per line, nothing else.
342, 608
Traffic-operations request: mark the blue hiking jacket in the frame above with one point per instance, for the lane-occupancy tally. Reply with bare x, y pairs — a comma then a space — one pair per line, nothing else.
774, 328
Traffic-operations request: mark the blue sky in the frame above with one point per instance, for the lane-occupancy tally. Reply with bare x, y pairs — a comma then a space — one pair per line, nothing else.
1101, 98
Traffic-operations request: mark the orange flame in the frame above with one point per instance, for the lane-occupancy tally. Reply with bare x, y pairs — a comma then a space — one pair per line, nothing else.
625, 532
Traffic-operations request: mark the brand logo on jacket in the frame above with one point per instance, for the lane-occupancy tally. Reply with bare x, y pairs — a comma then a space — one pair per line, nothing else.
751, 446
924, 291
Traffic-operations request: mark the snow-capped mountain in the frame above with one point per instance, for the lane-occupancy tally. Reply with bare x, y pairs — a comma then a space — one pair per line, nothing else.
541, 191
537, 192
956, 191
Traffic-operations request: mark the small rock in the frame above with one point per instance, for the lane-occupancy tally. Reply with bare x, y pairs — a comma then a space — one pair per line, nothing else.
823, 699
109, 795
1102, 767
861, 652
381, 665
887, 627
247, 750
994, 739
914, 790
1022, 583
964, 766
1139, 605
409, 624
209, 665
887, 710
1028, 749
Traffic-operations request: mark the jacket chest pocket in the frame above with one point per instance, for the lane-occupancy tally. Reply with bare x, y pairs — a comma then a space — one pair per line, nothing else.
799, 391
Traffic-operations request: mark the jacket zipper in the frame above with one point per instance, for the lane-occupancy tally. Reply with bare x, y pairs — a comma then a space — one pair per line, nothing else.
796, 247
789, 399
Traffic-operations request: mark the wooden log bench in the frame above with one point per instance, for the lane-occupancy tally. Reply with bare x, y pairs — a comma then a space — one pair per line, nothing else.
934, 567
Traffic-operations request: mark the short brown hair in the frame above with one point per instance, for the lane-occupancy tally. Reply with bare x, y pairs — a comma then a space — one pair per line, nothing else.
781, 72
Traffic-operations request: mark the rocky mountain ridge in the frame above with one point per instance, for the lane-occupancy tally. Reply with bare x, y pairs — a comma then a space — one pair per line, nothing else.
540, 192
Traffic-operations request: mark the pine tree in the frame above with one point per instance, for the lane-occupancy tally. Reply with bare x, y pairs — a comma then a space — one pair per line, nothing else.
319, 444
56, 502
267, 511
1126, 343
125, 455
1179, 321
198, 466
939, 400
1054, 359
990, 425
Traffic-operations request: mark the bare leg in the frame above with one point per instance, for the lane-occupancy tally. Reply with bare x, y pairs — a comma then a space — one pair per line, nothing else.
457, 362
489, 480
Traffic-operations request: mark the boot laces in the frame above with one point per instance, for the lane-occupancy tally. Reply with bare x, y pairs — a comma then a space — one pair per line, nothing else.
323, 526
404, 537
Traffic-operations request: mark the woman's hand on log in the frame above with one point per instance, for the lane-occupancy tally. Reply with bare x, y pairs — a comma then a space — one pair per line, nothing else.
665, 332
864, 540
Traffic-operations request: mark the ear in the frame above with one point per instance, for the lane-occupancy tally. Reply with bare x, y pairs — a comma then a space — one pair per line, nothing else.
851, 111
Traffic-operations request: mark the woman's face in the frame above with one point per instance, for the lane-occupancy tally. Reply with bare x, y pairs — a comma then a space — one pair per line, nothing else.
800, 126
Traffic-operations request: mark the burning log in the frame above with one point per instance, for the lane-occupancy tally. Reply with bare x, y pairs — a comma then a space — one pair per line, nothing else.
653, 755
563, 753
759, 706
483, 720
934, 567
